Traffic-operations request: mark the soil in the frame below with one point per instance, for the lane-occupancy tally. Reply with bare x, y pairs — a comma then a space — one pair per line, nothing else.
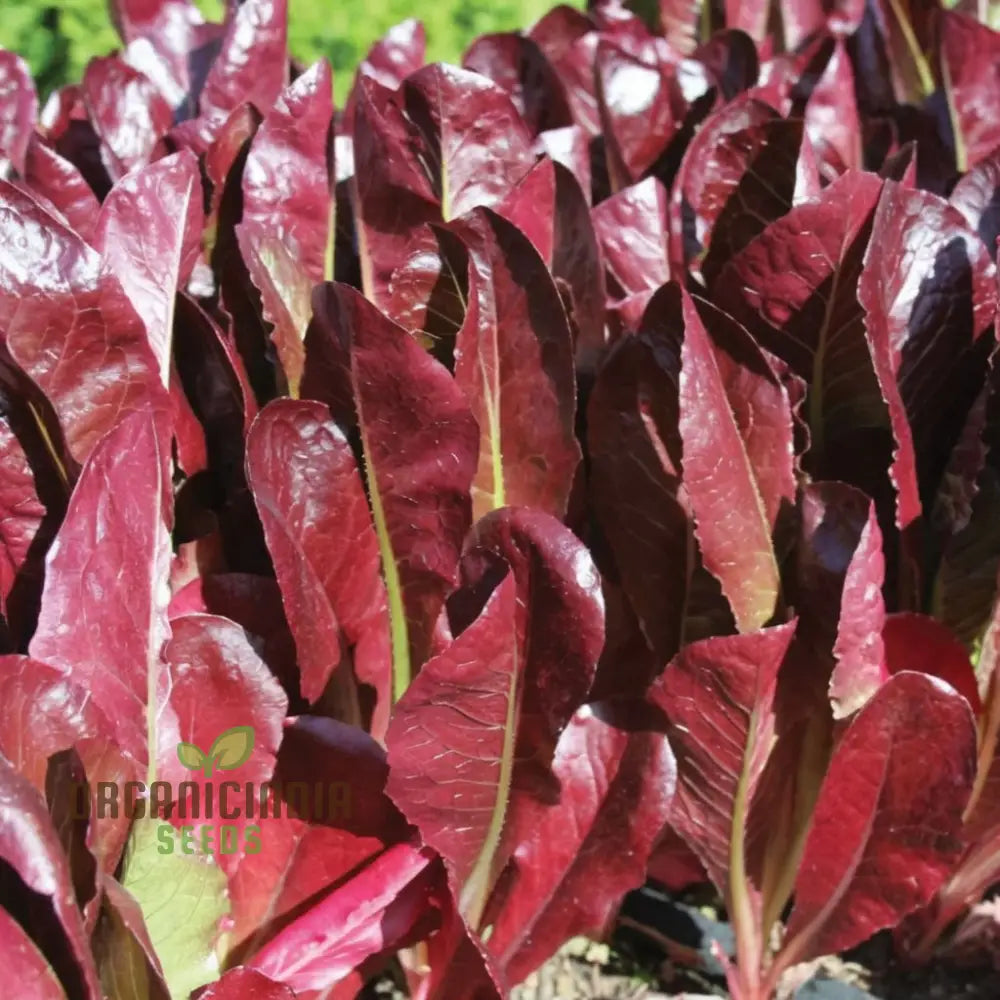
661, 950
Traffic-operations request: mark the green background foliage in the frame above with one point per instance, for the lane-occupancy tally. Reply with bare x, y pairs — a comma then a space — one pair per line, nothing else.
59, 39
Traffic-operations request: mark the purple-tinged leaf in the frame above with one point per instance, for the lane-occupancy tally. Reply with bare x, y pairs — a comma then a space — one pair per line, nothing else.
567, 38
631, 231
739, 173
397, 54
514, 363
420, 445
45, 714
494, 700
429, 290
46, 173
617, 783
243, 983
886, 831
802, 19
452, 741
127, 112
214, 681
635, 450
569, 146
731, 496
515, 62
641, 107
560, 589
285, 291
24, 528
832, 121
69, 327
922, 645
928, 288
795, 288
29, 844
840, 572
319, 531
251, 68
446, 142
306, 851
977, 197
286, 180
371, 913
970, 62
178, 38
18, 111
149, 236
25, 965
114, 540
718, 695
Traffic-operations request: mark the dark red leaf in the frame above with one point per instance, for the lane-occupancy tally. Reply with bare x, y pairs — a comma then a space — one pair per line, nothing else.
315, 514
514, 363
736, 473
304, 854
62, 316
371, 913
24, 963
719, 697
575, 859
114, 540
411, 413
20, 109
244, 983
57, 180
29, 844
128, 113
149, 237
970, 57
886, 830
922, 645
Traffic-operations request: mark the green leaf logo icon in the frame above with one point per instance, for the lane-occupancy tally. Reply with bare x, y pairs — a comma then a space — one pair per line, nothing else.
191, 756
231, 748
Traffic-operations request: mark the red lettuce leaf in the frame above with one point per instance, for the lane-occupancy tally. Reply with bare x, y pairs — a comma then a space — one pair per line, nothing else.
905, 764
244, 983
371, 913
494, 700
304, 856
576, 858
24, 963
418, 158
127, 112
69, 326
319, 530
251, 67
29, 844
736, 475
516, 63
20, 109
514, 363
410, 412
286, 232
149, 236
723, 685
50, 176
970, 56
114, 540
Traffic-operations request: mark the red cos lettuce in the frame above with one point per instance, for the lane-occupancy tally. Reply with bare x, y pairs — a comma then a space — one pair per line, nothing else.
571, 466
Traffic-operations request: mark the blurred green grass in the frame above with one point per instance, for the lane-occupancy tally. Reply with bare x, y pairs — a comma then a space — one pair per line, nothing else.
59, 39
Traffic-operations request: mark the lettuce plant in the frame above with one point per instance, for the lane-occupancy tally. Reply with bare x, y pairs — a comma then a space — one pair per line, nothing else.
424, 518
